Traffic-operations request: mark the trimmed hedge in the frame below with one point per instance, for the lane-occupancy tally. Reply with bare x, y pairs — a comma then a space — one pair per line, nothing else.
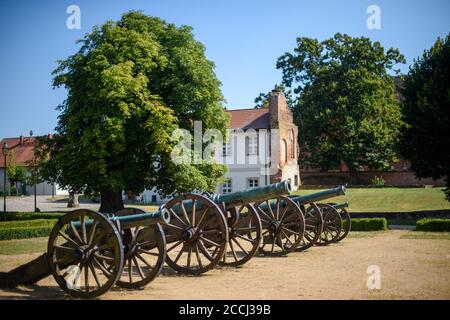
28, 223
369, 224
26, 228
25, 232
427, 224
15, 216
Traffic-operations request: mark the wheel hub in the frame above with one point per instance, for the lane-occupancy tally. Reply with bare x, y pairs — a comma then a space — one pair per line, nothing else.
274, 226
189, 234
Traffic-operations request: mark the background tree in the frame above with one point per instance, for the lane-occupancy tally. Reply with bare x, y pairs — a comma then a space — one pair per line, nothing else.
16, 174
262, 101
131, 84
426, 107
345, 101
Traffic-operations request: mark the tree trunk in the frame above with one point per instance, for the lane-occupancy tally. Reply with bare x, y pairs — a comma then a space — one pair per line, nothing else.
73, 200
111, 200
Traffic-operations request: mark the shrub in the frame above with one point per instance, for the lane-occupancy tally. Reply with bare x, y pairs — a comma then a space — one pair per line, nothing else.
28, 223
433, 225
369, 224
16, 216
378, 181
24, 232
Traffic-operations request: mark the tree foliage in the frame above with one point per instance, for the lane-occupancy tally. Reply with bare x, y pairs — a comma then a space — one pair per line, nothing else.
130, 85
426, 107
346, 105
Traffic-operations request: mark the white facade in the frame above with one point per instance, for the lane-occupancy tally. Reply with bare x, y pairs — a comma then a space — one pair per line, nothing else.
42, 189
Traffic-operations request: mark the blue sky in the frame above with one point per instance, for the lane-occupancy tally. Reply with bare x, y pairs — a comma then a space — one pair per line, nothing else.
243, 38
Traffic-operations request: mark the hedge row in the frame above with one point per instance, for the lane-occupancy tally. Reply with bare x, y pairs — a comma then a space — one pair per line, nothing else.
27, 223
369, 224
25, 232
15, 216
427, 224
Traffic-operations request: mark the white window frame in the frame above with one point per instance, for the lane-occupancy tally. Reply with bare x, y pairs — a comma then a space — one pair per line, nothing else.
227, 186
226, 149
251, 182
252, 145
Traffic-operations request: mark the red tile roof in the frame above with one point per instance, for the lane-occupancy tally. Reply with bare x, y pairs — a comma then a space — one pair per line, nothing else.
250, 118
22, 152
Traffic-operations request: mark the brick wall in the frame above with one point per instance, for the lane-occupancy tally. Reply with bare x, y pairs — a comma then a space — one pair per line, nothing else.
392, 178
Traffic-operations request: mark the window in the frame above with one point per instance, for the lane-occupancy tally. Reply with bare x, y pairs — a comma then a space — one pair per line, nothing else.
405, 165
252, 182
296, 180
154, 198
226, 149
252, 145
291, 141
226, 187
283, 151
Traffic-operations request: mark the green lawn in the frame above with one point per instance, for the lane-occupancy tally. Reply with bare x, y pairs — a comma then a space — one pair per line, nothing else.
9, 247
390, 199
426, 235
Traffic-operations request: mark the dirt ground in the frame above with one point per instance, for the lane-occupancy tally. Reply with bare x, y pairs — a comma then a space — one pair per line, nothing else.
410, 269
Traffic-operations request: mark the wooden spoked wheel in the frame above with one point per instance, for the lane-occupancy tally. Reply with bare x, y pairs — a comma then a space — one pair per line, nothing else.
313, 226
283, 225
144, 250
75, 249
244, 236
346, 224
197, 234
332, 224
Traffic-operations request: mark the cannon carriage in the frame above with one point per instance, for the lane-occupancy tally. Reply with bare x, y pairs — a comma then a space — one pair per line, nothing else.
90, 252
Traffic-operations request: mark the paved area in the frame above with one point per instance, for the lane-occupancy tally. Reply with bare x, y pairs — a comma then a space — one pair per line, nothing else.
44, 203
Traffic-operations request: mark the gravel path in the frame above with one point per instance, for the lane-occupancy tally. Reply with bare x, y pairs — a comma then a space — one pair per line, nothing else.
44, 203
410, 269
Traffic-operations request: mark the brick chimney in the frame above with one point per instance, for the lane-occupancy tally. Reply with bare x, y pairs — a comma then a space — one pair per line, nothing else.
277, 108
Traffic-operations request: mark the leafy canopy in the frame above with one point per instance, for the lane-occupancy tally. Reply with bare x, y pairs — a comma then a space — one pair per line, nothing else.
426, 107
345, 101
130, 85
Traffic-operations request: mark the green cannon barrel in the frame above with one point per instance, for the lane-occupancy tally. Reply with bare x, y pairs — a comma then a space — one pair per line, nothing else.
318, 196
339, 206
253, 195
134, 220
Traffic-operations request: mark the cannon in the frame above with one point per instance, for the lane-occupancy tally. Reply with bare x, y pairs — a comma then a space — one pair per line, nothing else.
86, 252
346, 219
211, 229
320, 221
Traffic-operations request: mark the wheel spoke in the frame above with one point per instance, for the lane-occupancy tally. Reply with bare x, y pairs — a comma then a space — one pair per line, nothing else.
177, 217
75, 232
91, 266
143, 260
179, 254
92, 232
183, 209
239, 245
233, 252
138, 268
175, 245
83, 229
68, 238
202, 216
244, 238
198, 256
210, 241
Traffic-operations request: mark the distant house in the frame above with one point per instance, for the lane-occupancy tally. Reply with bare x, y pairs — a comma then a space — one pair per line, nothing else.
262, 149
23, 149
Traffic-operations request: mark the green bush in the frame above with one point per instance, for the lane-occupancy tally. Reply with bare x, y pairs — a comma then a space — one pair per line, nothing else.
28, 223
16, 216
369, 224
25, 232
378, 181
433, 224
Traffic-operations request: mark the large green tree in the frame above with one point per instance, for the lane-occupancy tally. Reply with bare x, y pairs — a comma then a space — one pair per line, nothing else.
426, 107
345, 101
131, 84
